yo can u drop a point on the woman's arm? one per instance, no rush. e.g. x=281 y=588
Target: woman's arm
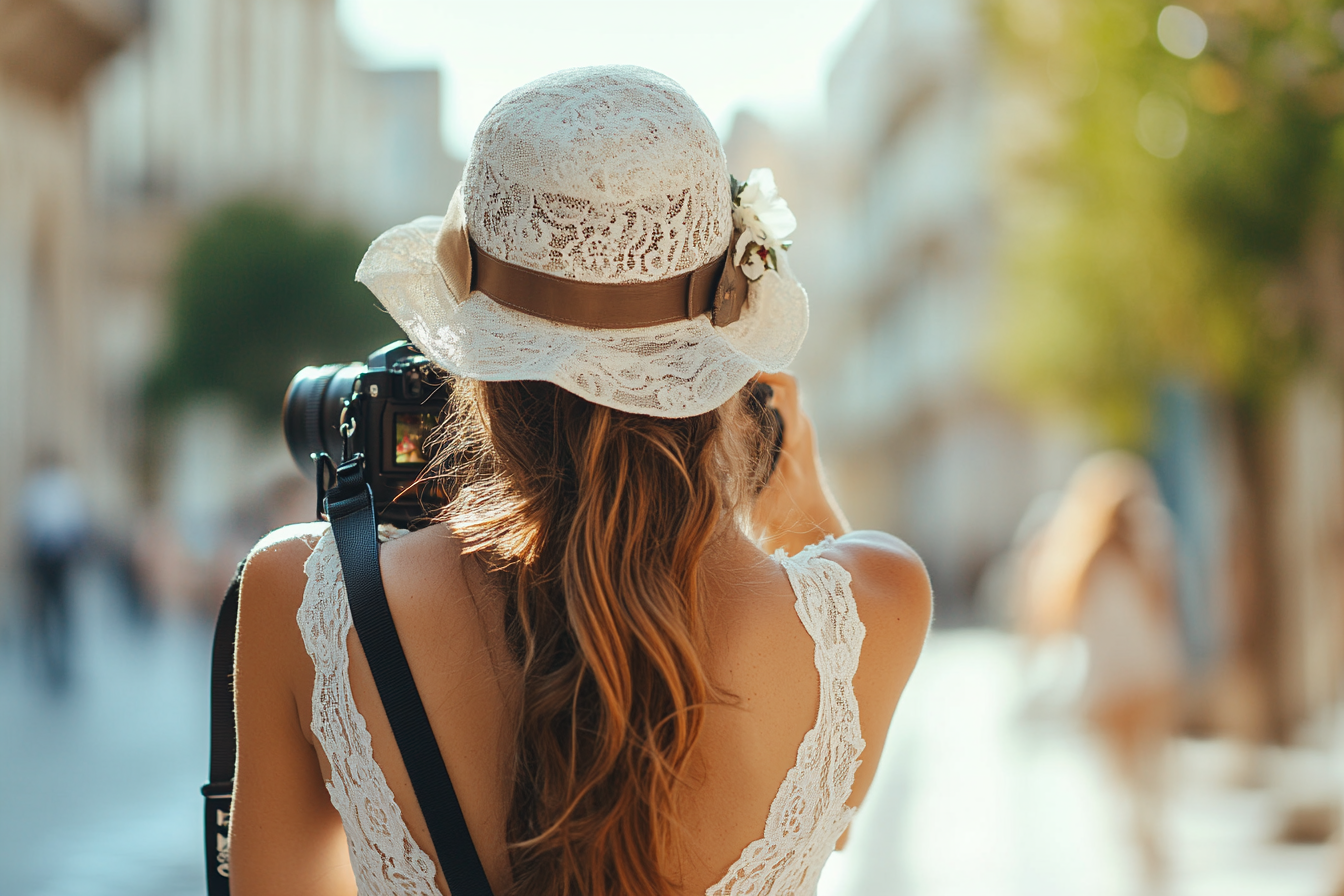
x=796 y=507
x=889 y=583
x=285 y=837
x=895 y=602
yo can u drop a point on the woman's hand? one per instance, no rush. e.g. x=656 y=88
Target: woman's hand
x=796 y=508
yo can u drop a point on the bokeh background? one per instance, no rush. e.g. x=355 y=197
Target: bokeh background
x=1031 y=231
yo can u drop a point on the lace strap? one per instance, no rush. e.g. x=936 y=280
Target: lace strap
x=386 y=859
x=825 y=605
x=811 y=810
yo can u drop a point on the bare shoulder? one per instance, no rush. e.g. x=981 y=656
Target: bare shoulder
x=890 y=586
x=891 y=591
x=430 y=553
x=274 y=580
x=425 y=578
x=289 y=542
x=278 y=558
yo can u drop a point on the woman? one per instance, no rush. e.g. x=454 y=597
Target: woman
x=630 y=695
x=1103 y=568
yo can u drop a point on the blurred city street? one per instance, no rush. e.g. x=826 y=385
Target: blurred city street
x=975 y=796
x=100 y=783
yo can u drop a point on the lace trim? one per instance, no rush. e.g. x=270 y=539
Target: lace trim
x=806 y=817
x=386 y=860
x=810 y=812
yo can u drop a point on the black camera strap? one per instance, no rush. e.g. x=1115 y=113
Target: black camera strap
x=349 y=505
x=223 y=745
x=350 y=509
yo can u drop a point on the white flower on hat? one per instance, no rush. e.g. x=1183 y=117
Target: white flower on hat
x=764 y=220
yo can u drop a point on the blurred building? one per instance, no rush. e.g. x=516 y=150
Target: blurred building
x=221 y=98
x=895 y=247
x=207 y=101
x=50 y=329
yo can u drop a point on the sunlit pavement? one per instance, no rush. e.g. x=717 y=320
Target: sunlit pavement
x=99 y=787
x=972 y=799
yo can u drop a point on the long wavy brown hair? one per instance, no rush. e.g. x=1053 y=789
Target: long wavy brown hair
x=596 y=521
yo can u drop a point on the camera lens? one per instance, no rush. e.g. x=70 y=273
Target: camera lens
x=312 y=411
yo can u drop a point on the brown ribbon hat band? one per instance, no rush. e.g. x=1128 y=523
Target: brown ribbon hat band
x=718 y=288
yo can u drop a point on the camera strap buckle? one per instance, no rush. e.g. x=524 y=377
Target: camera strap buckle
x=349 y=490
x=349 y=423
x=326 y=479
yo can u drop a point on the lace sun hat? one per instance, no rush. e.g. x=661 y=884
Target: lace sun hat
x=597 y=242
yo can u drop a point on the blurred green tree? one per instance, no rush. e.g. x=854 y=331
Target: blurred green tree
x=1172 y=182
x=260 y=291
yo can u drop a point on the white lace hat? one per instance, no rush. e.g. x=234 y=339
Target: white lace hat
x=588 y=194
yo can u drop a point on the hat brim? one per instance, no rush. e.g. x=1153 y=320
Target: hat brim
x=677 y=369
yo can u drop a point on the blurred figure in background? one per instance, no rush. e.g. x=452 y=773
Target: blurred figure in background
x=55 y=527
x=1103 y=568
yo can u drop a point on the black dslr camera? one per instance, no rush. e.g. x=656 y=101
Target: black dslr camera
x=386 y=410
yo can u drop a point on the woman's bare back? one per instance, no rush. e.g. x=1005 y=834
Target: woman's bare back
x=450 y=621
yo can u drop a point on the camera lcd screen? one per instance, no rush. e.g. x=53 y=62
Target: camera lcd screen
x=411 y=430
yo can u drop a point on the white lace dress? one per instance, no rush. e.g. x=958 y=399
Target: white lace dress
x=806 y=817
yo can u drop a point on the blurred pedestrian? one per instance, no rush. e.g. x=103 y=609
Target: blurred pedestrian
x=117 y=554
x=1103 y=569
x=55 y=528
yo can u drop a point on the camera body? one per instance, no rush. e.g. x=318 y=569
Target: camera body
x=388 y=407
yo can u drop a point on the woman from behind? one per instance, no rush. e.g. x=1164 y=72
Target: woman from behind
x=630 y=694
